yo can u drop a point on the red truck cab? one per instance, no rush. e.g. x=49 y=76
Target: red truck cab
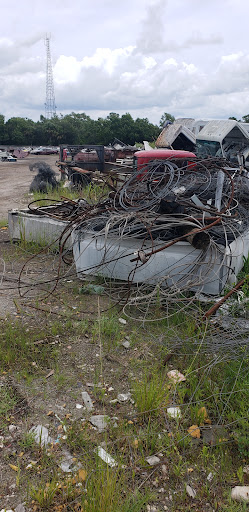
x=142 y=158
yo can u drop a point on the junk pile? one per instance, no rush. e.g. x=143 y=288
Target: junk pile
x=171 y=232
x=176 y=229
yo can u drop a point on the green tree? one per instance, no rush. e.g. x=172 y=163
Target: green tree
x=245 y=119
x=2 y=129
x=127 y=129
x=19 y=131
x=144 y=130
x=76 y=128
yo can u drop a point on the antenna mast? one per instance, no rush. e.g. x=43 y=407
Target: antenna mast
x=50 y=107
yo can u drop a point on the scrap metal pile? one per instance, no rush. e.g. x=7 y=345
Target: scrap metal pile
x=169 y=230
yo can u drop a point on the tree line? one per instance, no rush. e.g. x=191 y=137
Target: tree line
x=76 y=129
x=81 y=129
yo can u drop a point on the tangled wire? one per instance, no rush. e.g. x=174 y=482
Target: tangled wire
x=169 y=234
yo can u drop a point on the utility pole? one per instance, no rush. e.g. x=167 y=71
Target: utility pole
x=50 y=107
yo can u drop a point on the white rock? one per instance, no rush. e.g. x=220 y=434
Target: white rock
x=164 y=469
x=41 y=435
x=210 y=477
x=100 y=421
x=126 y=344
x=79 y=406
x=246 y=470
x=124 y=397
x=67 y=462
x=122 y=321
x=12 y=428
x=20 y=508
x=153 y=460
x=191 y=492
x=6 y=510
x=106 y=457
x=240 y=493
x=174 y=412
x=87 y=400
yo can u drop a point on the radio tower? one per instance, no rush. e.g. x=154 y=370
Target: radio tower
x=50 y=107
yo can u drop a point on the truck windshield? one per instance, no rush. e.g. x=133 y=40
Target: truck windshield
x=208 y=148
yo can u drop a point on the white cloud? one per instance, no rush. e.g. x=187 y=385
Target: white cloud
x=146 y=58
x=153 y=34
x=231 y=58
x=122 y=80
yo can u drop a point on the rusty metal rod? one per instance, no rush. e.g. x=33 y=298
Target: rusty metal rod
x=216 y=306
x=193 y=232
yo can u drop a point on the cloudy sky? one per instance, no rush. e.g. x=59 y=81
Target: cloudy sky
x=186 y=57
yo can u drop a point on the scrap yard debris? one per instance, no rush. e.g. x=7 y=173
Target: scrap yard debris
x=175 y=229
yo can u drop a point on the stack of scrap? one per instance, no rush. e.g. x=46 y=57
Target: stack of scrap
x=172 y=229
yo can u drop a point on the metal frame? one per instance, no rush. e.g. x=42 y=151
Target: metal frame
x=91 y=166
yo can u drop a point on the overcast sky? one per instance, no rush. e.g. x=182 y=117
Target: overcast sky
x=186 y=57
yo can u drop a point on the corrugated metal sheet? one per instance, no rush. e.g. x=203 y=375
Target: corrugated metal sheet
x=170 y=133
x=218 y=130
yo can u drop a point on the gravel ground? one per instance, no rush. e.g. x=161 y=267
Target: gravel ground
x=15 y=179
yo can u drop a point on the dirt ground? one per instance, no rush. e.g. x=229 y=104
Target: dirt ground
x=53 y=395
x=15 y=179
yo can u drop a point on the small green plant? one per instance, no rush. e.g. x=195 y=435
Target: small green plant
x=79 y=438
x=150 y=393
x=28 y=441
x=205 y=454
x=92 y=193
x=108 y=328
x=44 y=495
x=28 y=244
x=19 y=350
x=150 y=439
x=179 y=468
x=7 y=401
x=61 y=379
x=55 y=195
x=108 y=491
x=240 y=474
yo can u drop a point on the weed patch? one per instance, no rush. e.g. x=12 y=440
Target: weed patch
x=150 y=393
x=108 y=329
x=104 y=490
x=7 y=401
x=21 y=350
